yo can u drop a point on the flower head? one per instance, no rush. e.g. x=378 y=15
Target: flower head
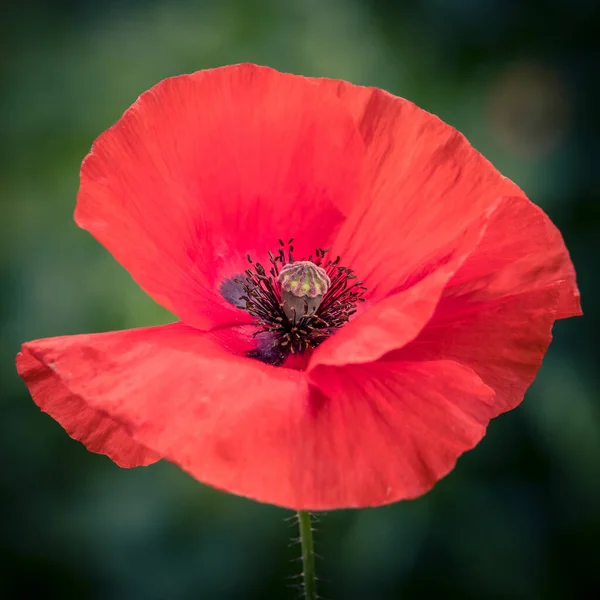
x=304 y=377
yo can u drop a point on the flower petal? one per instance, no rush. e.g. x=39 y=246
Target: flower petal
x=387 y=431
x=371 y=434
x=230 y=421
x=208 y=167
x=422 y=185
x=497 y=312
x=503 y=341
x=396 y=320
x=94 y=428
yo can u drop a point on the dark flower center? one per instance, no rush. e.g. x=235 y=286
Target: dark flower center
x=297 y=304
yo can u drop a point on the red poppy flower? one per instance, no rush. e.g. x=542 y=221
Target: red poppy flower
x=354 y=376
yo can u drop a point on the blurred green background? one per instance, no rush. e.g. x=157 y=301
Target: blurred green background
x=520 y=515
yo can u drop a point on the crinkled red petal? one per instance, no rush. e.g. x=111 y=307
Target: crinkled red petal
x=226 y=419
x=206 y=168
x=361 y=435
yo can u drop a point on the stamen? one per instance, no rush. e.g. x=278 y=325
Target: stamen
x=297 y=305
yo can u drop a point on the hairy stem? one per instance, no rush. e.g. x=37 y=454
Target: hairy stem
x=308 y=555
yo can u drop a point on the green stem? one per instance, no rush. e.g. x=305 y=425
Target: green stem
x=308 y=555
